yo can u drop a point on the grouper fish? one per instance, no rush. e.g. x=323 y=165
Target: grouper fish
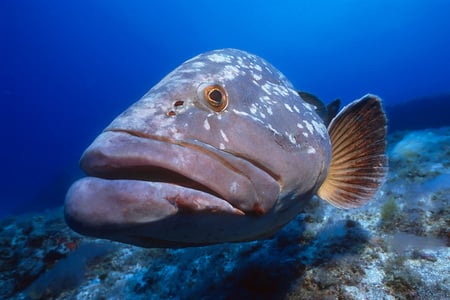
x=224 y=149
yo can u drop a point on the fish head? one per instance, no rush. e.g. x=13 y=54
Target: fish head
x=223 y=141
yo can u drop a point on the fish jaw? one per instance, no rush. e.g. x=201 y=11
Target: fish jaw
x=140 y=181
x=114 y=209
x=176 y=216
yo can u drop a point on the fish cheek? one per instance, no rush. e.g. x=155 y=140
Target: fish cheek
x=285 y=143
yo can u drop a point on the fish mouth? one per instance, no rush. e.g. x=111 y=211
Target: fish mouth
x=136 y=178
x=114 y=170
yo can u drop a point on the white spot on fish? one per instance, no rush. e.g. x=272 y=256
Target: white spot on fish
x=299 y=125
x=219 y=58
x=243 y=113
x=198 y=64
x=305 y=134
x=269 y=110
x=256 y=76
x=320 y=128
x=230 y=72
x=273 y=129
x=291 y=138
x=288 y=107
x=266 y=89
x=308 y=106
x=224 y=136
x=193 y=70
x=296 y=109
x=311 y=150
x=253 y=108
x=221 y=146
x=240 y=62
x=264 y=99
x=234 y=187
x=309 y=127
x=206 y=124
x=281 y=90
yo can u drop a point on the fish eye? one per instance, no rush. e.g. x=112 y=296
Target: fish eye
x=216 y=97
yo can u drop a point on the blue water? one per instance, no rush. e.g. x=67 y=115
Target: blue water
x=69 y=67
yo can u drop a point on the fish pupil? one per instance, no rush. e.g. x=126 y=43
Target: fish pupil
x=216 y=96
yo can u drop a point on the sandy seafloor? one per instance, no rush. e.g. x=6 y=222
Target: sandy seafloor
x=396 y=247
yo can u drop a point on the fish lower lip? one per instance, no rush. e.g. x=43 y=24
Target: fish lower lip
x=94 y=204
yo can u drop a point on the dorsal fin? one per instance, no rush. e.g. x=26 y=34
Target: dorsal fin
x=358 y=161
x=326 y=113
x=332 y=109
x=320 y=107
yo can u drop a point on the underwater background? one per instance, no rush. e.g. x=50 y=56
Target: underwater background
x=69 y=67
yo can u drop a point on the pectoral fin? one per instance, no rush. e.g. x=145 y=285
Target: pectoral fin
x=358 y=162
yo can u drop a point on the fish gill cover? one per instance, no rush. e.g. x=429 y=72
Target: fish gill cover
x=69 y=68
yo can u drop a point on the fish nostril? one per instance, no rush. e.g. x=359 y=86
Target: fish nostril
x=178 y=103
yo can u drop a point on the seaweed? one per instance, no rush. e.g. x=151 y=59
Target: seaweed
x=390 y=214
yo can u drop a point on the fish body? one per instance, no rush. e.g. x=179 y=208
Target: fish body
x=223 y=149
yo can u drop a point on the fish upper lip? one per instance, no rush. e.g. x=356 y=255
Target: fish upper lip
x=197 y=144
x=130 y=155
x=149 y=172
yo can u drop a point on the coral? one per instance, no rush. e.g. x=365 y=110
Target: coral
x=30 y=244
x=67 y=273
x=400 y=279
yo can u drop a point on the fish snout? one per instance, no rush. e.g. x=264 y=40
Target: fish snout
x=192 y=165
